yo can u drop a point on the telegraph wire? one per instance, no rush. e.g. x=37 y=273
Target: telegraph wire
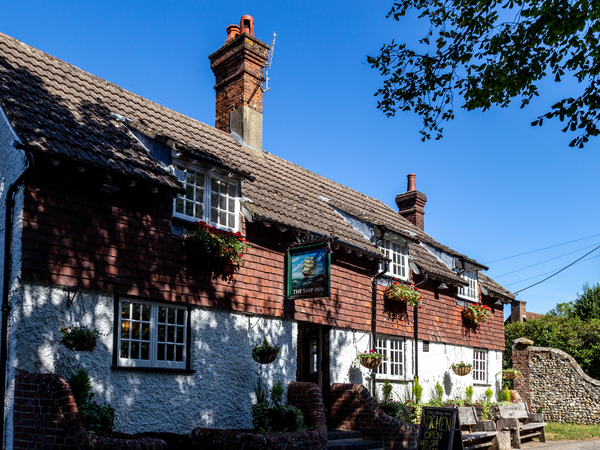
x=548 y=260
x=545 y=273
x=556 y=273
x=539 y=250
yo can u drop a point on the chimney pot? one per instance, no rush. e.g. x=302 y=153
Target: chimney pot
x=247 y=25
x=233 y=31
x=412 y=185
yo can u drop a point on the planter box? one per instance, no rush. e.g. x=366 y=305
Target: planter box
x=282 y=421
x=509 y=375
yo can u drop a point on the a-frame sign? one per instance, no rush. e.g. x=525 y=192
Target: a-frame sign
x=440 y=429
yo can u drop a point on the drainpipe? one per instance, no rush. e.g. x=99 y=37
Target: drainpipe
x=416 y=320
x=8 y=231
x=374 y=312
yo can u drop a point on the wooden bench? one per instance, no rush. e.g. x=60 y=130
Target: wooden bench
x=476 y=433
x=521 y=424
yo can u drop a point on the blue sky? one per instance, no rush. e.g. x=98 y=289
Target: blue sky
x=496 y=186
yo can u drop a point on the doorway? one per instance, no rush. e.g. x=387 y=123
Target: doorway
x=313 y=358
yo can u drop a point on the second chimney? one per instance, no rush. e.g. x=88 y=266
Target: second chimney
x=238 y=67
x=411 y=204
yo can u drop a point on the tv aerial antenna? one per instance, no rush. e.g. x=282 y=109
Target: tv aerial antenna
x=268 y=65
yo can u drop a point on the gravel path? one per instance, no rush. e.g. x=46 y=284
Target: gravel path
x=564 y=445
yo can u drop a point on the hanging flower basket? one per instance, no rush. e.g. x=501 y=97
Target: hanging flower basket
x=370 y=359
x=79 y=338
x=477 y=314
x=404 y=293
x=370 y=363
x=218 y=250
x=265 y=353
x=468 y=315
x=461 y=369
x=511 y=374
x=265 y=358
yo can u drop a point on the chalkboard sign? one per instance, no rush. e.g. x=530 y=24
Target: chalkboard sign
x=438 y=427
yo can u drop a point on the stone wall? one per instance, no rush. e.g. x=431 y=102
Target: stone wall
x=553 y=380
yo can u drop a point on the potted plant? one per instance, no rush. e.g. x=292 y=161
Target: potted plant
x=404 y=293
x=79 y=338
x=477 y=314
x=370 y=359
x=511 y=374
x=265 y=353
x=219 y=245
x=462 y=368
x=274 y=416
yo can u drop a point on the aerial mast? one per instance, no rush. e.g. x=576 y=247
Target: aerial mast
x=268 y=65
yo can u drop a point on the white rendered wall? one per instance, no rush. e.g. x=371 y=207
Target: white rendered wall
x=218 y=395
x=12 y=164
x=434 y=366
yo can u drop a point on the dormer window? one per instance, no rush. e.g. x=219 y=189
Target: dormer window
x=470 y=292
x=398 y=254
x=208 y=197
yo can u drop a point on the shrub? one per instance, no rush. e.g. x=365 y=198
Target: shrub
x=277 y=393
x=417 y=391
x=439 y=391
x=578 y=338
x=98 y=418
x=488 y=394
x=469 y=395
x=386 y=391
x=81 y=386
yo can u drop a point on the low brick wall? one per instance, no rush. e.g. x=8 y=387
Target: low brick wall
x=306 y=396
x=353 y=408
x=46 y=417
x=552 y=380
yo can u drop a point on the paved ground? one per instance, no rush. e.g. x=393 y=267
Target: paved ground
x=589 y=444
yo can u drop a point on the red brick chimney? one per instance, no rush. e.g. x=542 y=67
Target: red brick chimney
x=238 y=67
x=411 y=204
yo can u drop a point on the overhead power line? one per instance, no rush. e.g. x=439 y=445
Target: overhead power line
x=548 y=260
x=546 y=273
x=556 y=273
x=540 y=249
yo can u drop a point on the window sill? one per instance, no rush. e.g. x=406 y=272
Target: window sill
x=154 y=369
x=386 y=279
x=465 y=302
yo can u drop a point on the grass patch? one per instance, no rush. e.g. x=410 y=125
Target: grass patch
x=557 y=431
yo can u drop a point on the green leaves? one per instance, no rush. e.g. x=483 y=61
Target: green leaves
x=489 y=53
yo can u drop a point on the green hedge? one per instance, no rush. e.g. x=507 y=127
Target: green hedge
x=578 y=338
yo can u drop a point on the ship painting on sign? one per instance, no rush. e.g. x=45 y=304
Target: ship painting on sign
x=309 y=273
x=309 y=266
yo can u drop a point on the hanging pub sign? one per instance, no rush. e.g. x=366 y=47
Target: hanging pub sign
x=308 y=271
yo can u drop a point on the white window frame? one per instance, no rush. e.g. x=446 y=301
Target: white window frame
x=470 y=292
x=480 y=366
x=397 y=252
x=153 y=342
x=181 y=171
x=394 y=349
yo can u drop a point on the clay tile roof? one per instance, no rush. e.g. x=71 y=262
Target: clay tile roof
x=495 y=289
x=61 y=110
